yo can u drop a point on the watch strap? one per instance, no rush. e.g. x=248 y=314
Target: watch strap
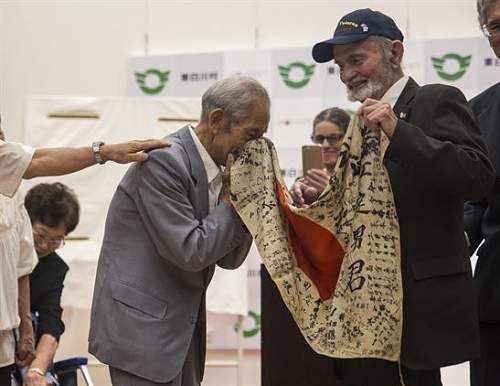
x=96 y=150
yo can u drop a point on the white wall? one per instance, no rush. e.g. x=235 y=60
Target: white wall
x=77 y=47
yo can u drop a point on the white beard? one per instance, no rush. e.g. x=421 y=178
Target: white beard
x=369 y=90
x=374 y=88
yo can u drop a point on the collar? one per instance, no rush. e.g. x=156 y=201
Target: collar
x=210 y=166
x=392 y=95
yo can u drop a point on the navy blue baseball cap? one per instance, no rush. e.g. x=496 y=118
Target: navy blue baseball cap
x=354 y=27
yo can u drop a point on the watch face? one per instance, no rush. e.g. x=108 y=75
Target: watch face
x=96 y=149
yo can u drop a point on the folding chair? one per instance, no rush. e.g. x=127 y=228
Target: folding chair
x=66 y=371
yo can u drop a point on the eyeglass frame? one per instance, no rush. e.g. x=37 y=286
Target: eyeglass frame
x=48 y=241
x=491 y=29
x=331 y=138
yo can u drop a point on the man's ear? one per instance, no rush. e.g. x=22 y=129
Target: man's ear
x=216 y=119
x=397 y=50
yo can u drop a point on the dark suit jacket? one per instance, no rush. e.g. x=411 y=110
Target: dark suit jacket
x=158 y=256
x=482 y=217
x=46 y=285
x=436 y=160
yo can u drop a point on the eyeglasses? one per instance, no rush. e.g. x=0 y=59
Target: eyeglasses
x=49 y=242
x=491 y=29
x=331 y=138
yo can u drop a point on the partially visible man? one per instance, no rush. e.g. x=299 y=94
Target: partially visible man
x=482 y=217
x=18 y=161
x=435 y=160
x=17 y=261
x=170 y=222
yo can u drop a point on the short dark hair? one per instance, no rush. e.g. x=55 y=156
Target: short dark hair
x=52 y=205
x=333 y=115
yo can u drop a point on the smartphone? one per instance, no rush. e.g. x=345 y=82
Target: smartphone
x=311 y=158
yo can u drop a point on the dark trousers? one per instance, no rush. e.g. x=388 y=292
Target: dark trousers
x=485 y=371
x=378 y=372
x=5 y=375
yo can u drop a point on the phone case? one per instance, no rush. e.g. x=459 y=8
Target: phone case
x=311 y=158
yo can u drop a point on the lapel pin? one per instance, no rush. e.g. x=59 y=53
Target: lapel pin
x=402 y=115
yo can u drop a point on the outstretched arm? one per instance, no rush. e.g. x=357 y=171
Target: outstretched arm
x=59 y=161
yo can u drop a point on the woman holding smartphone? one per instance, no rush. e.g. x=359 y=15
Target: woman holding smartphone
x=329 y=128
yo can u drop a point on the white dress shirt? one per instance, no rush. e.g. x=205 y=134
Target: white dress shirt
x=214 y=172
x=391 y=96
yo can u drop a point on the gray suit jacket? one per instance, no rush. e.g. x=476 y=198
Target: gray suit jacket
x=158 y=256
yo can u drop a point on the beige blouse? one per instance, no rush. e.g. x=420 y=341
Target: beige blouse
x=14 y=160
x=17 y=258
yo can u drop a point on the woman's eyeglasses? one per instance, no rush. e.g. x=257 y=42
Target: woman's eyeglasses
x=331 y=138
x=49 y=242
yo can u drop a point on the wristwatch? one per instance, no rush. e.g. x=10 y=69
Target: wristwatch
x=96 y=150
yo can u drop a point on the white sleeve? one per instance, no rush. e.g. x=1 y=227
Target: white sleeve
x=27 y=254
x=14 y=160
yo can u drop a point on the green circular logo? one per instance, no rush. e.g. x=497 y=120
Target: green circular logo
x=439 y=64
x=302 y=71
x=254 y=330
x=152 y=81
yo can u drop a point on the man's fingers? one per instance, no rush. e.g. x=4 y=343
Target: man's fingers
x=377 y=116
x=370 y=101
x=131 y=151
x=136 y=157
x=318 y=175
x=296 y=193
x=147 y=144
x=227 y=170
x=25 y=360
x=384 y=119
x=371 y=105
x=367 y=105
x=317 y=185
x=310 y=195
x=229 y=161
x=318 y=172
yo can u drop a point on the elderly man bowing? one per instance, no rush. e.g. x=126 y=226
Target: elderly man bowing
x=169 y=223
x=435 y=160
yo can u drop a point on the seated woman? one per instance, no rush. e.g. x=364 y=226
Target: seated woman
x=54 y=213
x=329 y=128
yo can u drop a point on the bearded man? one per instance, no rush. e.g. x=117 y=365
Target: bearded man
x=436 y=160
